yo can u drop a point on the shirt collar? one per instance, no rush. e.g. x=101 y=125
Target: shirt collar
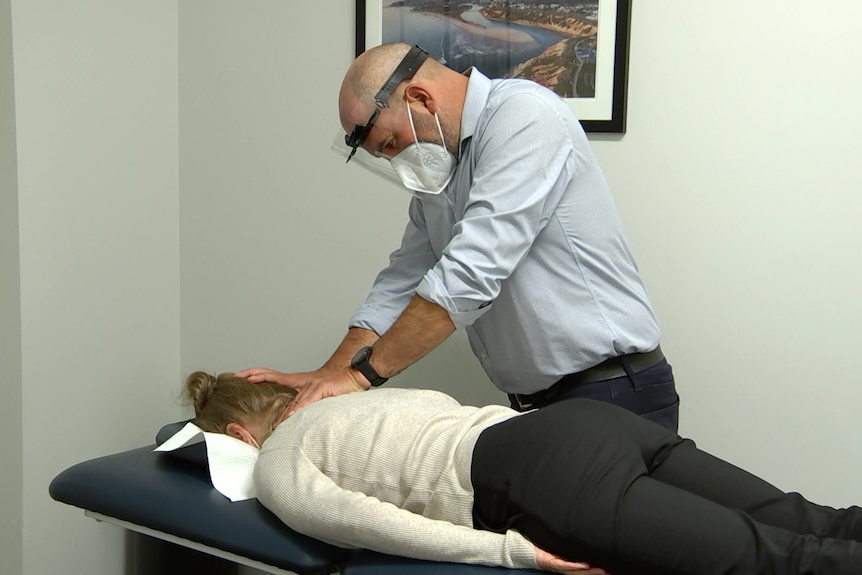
x=478 y=89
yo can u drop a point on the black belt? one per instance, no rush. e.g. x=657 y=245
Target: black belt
x=611 y=368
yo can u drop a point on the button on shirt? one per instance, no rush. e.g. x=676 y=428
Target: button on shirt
x=524 y=249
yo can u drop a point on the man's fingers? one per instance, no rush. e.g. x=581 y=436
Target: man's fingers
x=253 y=372
x=308 y=395
x=301 y=400
x=261 y=374
x=336 y=384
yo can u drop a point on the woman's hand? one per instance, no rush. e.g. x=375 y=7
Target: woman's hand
x=549 y=562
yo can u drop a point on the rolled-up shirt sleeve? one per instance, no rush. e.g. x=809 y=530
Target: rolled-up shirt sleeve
x=525 y=247
x=512 y=180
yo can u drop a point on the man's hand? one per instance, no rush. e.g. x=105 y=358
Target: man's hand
x=331 y=384
x=292 y=380
x=311 y=386
x=549 y=562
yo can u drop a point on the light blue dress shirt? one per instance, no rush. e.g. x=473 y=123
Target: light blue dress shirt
x=524 y=249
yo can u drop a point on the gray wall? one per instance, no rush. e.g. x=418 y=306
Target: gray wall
x=97 y=131
x=179 y=208
x=737 y=185
x=11 y=447
x=280 y=241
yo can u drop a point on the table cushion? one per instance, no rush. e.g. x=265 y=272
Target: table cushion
x=175 y=496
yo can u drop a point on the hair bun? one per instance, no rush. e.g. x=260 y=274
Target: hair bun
x=199 y=388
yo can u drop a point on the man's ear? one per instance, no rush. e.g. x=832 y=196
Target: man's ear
x=237 y=431
x=417 y=93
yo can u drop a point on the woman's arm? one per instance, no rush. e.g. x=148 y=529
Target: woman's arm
x=309 y=502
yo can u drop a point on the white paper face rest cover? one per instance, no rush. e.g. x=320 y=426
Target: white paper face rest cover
x=231 y=461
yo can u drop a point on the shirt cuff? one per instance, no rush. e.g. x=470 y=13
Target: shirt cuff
x=463 y=311
x=367 y=317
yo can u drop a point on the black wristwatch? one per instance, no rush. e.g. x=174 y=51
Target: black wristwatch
x=361 y=363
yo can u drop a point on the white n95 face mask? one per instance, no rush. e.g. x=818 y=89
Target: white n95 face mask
x=423 y=166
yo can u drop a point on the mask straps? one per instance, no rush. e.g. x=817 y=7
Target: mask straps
x=413 y=127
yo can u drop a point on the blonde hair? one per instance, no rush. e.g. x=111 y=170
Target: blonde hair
x=226 y=398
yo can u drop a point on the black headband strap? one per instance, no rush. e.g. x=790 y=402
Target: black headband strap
x=405 y=70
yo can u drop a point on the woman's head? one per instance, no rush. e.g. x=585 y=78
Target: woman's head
x=234 y=406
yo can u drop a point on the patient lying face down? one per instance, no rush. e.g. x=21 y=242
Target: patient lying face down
x=414 y=473
x=231 y=405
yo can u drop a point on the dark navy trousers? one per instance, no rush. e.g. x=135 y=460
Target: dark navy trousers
x=650 y=393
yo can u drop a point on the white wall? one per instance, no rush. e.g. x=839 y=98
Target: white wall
x=280 y=240
x=734 y=181
x=11 y=476
x=96 y=111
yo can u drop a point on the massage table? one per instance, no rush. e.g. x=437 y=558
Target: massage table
x=169 y=496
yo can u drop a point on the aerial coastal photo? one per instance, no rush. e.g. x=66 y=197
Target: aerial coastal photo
x=553 y=43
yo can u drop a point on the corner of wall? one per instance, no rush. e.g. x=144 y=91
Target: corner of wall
x=11 y=445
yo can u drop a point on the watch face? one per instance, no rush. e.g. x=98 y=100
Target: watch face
x=361 y=355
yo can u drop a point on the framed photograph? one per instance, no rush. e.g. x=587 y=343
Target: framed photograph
x=577 y=48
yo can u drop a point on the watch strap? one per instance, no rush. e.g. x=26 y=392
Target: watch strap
x=361 y=363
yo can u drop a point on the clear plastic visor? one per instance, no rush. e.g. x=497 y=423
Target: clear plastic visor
x=377 y=166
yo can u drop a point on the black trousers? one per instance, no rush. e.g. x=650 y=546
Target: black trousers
x=592 y=482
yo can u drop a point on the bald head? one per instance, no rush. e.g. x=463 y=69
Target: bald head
x=370 y=71
x=433 y=88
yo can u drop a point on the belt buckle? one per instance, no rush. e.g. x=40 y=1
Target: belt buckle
x=523 y=405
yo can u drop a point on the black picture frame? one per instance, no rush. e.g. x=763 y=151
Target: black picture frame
x=606 y=111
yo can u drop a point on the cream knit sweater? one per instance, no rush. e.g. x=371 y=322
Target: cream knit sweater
x=387 y=470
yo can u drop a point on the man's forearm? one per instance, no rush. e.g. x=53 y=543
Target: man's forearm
x=355 y=339
x=422 y=326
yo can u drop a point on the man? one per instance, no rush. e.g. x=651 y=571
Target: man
x=512 y=235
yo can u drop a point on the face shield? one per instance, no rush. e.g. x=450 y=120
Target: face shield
x=352 y=145
x=379 y=166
